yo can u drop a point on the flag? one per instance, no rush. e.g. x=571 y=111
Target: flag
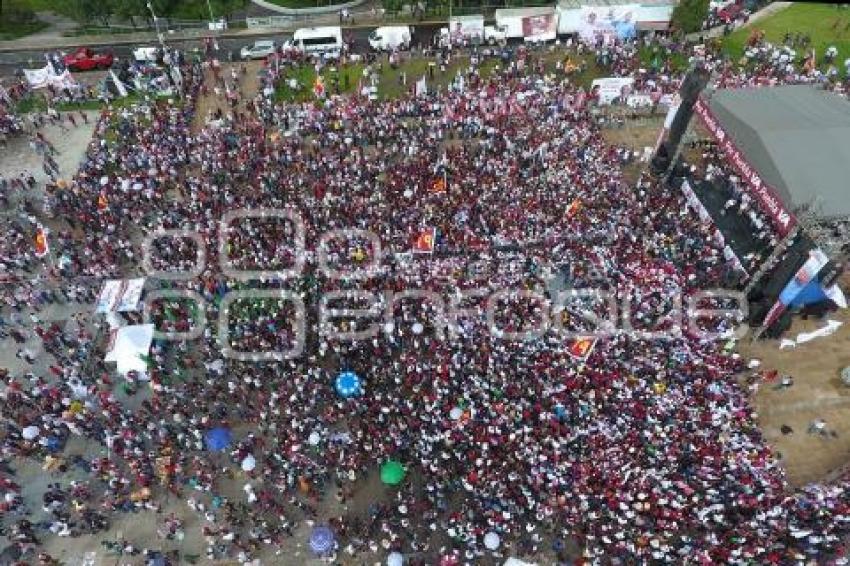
x=581 y=348
x=102 y=203
x=440 y=184
x=319 y=86
x=574 y=207
x=424 y=243
x=421 y=87
x=119 y=86
x=42 y=248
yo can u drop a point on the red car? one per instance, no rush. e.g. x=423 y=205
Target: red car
x=85 y=59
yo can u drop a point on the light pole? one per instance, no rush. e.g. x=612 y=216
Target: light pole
x=156 y=25
x=209 y=7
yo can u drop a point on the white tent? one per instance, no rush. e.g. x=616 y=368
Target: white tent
x=128 y=344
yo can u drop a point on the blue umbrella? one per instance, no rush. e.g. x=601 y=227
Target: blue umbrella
x=218 y=438
x=348 y=384
x=321 y=540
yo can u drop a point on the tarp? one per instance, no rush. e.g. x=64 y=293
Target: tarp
x=129 y=347
x=120 y=295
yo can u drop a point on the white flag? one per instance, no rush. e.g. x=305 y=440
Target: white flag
x=421 y=87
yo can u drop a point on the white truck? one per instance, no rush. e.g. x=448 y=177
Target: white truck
x=389 y=38
x=471 y=29
x=533 y=25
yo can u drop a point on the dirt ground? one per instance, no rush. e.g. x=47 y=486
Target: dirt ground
x=817 y=393
x=637 y=136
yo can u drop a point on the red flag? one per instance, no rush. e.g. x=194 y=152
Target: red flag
x=574 y=207
x=319 y=86
x=581 y=348
x=42 y=247
x=440 y=184
x=424 y=242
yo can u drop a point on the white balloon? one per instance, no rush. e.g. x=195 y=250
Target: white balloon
x=249 y=463
x=314 y=438
x=418 y=328
x=408 y=193
x=395 y=559
x=455 y=413
x=492 y=541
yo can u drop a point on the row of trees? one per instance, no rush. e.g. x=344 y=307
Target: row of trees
x=136 y=12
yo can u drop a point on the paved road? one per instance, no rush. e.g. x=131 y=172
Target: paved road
x=9 y=62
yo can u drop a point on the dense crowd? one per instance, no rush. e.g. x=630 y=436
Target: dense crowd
x=641 y=448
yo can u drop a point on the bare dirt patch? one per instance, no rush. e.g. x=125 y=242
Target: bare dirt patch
x=817 y=393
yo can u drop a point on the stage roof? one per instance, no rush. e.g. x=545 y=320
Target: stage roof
x=797 y=138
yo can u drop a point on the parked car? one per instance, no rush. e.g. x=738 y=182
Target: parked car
x=86 y=59
x=261 y=49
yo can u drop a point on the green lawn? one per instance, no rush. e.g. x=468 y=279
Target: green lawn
x=10 y=30
x=826 y=24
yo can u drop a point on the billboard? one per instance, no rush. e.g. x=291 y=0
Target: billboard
x=542 y=27
x=607 y=22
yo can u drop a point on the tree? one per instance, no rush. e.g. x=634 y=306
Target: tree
x=689 y=15
x=87 y=11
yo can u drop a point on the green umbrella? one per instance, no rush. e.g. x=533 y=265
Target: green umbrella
x=392 y=472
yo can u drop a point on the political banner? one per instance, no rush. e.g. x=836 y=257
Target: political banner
x=609 y=89
x=607 y=22
x=542 y=27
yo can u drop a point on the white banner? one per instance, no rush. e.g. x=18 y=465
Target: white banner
x=607 y=22
x=609 y=88
x=39 y=78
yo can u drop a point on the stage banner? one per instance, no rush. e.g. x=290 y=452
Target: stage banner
x=809 y=270
x=771 y=204
x=608 y=22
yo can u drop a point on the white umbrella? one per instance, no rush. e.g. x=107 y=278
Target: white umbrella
x=491 y=541
x=455 y=413
x=314 y=438
x=249 y=463
x=395 y=559
x=418 y=328
x=30 y=433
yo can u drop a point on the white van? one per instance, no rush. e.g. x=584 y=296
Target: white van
x=387 y=38
x=325 y=41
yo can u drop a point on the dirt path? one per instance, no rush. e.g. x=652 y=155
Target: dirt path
x=249 y=85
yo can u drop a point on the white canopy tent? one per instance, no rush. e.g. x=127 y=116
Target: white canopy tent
x=127 y=346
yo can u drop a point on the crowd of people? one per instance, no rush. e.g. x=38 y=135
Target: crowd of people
x=635 y=446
